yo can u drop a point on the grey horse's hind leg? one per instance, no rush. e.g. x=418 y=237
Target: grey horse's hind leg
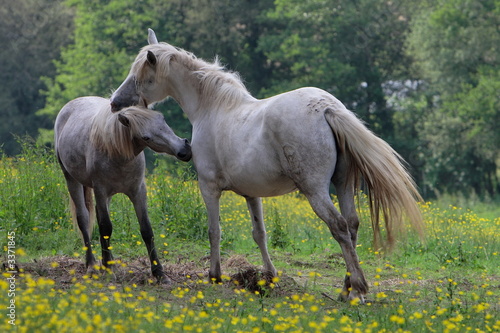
x=324 y=208
x=76 y=191
x=345 y=195
x=82 y=214
x=140 y=205
x=259 y=232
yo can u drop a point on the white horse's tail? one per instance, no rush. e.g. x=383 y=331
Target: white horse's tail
x=89 y=204
x=391 y=189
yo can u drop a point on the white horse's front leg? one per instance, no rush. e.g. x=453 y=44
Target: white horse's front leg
x=259 y=232
x=211 y=198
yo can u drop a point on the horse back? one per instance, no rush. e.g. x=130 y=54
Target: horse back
x=76 y=115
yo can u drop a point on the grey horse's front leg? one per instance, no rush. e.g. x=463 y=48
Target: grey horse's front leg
x=259 y=232
x=105 y=226
x=140 y=205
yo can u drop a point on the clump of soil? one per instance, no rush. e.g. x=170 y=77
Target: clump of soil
x=254 y=280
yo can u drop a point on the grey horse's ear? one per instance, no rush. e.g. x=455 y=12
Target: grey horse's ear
x=124 y=120
x=151 y=58
x=152 y=37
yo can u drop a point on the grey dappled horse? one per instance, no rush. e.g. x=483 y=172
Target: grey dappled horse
x=103 y=151
x=303 y=139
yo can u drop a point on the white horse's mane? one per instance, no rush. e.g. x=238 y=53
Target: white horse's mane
x=218 y=87
x=112 y=137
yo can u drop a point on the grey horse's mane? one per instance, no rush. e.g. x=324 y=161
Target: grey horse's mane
x=219 y=88
x=112 y=137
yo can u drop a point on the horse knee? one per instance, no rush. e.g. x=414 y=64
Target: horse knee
x=353 y=223
x=259 y=235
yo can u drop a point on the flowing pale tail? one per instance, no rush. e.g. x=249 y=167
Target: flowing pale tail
x=89 y=204
x=391 y=189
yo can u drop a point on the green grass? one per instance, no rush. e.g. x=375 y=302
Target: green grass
x=449 y=283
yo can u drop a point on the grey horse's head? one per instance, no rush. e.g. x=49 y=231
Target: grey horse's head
x=149 y=129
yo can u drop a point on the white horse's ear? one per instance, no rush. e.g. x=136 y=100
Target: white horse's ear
x=152 y=37
x=151 y=58
x=124 y=120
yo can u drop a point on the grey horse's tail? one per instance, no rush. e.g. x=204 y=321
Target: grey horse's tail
x=89 y=203
x=392 y=192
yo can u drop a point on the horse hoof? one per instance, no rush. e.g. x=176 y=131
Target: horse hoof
x=343 y=296
x=214 y=279
x=357 y=299
x=163 y=280
x=93 y=269
x=351 y=297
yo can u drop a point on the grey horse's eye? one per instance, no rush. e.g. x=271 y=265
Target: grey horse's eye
x=146 y=138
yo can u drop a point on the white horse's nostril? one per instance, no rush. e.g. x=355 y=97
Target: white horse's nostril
x=114 y=107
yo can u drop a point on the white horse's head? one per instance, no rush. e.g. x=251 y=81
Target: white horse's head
x=138 y=87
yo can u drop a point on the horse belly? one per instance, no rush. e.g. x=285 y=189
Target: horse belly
x=258 y=179
x=249 y=183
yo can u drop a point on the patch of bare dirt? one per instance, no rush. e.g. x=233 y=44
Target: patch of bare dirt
x=66 y=271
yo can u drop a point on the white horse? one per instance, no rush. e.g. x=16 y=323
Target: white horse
x=103 y=151
x=303 y=139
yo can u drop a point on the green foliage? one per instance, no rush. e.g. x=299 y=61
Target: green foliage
x=453 y=39
x=30 y=188
x=34 y=199
x=278 y=235
x=180 y=210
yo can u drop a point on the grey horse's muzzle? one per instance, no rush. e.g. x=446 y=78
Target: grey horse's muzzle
x=185 y=153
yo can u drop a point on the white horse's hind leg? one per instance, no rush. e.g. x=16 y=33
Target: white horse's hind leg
x=345 y=195
x=324 y=208
x=259 y=232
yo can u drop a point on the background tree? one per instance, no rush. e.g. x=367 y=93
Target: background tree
x=31 y=34
x=455 y=44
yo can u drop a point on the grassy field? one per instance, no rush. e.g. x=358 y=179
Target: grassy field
x=449 y=283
